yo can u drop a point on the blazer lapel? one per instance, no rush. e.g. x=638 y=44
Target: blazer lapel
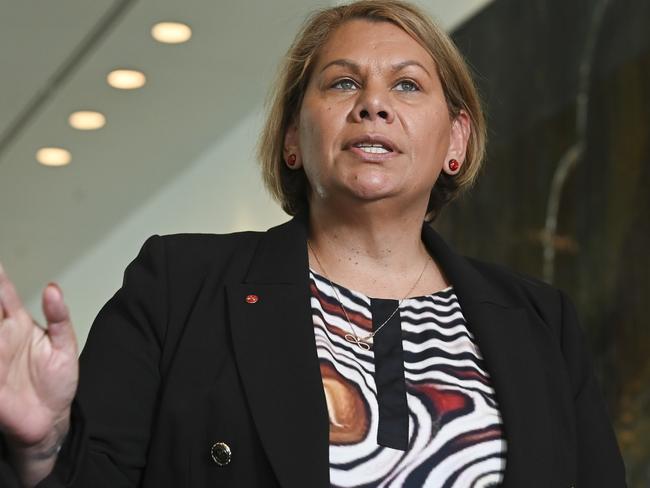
x=507 y=339
x=275 y=350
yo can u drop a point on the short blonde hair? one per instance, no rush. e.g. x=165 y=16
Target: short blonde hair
x=290 y=187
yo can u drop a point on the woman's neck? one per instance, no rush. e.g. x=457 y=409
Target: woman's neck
x=373 y=252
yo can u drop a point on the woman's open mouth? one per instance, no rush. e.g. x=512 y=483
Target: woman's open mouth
x=372 y=148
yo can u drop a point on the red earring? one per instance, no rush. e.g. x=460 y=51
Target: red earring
x=453 y=164
x=291 y=160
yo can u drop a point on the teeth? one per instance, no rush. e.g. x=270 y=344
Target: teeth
x=374 y=149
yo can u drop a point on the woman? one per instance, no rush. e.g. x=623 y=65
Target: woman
x=348 y=347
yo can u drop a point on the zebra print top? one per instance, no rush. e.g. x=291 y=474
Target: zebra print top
x=415 y=410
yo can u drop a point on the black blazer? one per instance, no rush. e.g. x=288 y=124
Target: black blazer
x=178 y=360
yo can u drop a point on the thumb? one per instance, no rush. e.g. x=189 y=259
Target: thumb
x=59 y=327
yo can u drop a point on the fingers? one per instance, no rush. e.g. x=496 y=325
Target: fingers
x=54 y=308
x=59 y=327
x=9 y=299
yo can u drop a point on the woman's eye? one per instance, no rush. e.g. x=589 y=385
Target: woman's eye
x=345 y=84
x=407 y=85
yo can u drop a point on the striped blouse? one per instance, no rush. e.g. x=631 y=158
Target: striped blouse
x=417 y=408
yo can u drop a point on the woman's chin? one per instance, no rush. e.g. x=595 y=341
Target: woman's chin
x=359 y=187
x=371 y=191
x=372 y=184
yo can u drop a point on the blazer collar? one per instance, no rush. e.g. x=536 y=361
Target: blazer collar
x=281 y=257
x=276 y=353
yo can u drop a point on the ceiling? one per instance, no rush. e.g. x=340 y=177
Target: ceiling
x=54 y=57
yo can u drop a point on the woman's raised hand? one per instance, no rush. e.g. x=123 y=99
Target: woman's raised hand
x=39 y=368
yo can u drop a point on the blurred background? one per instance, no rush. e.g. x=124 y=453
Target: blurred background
x=125 y=118
x=565 y=195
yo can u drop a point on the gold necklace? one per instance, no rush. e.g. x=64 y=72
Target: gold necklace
x=363 y=342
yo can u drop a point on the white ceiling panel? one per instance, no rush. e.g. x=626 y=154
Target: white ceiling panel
x=36 y=38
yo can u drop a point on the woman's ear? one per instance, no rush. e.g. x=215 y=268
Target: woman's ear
x=291 y=150
x=460 y=131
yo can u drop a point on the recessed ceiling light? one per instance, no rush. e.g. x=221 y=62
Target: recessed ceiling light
x=87 y=120
x=53 y=156
x=171 y=32
x=126 y=79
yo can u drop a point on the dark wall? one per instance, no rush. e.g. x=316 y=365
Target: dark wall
x=566 y=87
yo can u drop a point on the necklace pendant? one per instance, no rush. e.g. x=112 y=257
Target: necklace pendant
x=358 y=341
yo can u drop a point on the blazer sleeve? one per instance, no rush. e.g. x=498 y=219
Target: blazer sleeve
x=115 y=403
x=598 y=456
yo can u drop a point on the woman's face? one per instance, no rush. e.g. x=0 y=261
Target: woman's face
x=374 y=123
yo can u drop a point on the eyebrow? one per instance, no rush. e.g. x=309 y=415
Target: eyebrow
x=351 y=65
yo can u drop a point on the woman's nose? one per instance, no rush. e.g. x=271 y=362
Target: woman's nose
x=373 y=106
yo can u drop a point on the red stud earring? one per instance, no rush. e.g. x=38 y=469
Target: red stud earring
x=453 y=164
x=291 y=160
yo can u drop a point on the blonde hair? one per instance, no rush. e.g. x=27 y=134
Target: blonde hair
x=290 y=187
